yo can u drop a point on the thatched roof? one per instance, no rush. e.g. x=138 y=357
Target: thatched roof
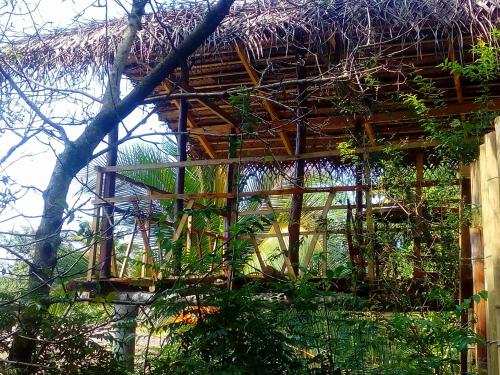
x=260 y=23
x=385 y=42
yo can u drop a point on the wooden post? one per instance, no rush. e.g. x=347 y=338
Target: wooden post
x=106 y=248
x=465 y=263
x=231 y=205
x=488 y=169
x=315 y=237
x=477 y=255
x=147 y=257
x=129 y=251
x=298 y=177
x=258 y=254
x=417 y=236
x=287 y=264
x=324 y=263
x=358 y=217
x=182 y=138
x=370 y=229
x=189 y=233
x=95 y=226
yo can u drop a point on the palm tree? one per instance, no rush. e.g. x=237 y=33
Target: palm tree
x=205 y=223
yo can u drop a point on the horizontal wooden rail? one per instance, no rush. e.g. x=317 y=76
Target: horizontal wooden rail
x=156 y=190
x=304 y=209
x=264 y=159
x=245 y=194
x=248 y=194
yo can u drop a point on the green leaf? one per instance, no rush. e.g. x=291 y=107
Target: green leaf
x=483 y=294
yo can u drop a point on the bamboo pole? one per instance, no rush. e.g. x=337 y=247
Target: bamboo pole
x=244 y=194
x=299 y=166
x=324 y=263
x=417 y=236
x=487 y=216
x=231 y=206
x=258 y=254
x=182 y=221
x=370 y=228
x=108 y=191
x=314 y=240
x=287 y=264
x=128 y=251
x=477 y=255
x=95 y=227
x=267 y=159
x=147 y=257
x=465 y=270
x=182 y=140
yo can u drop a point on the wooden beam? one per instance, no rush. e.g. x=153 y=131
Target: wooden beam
x=281 y=241
x=489 y=208
x=231 y=214
x=201 y=138
x=343 y=122
x=268 y=159
x=214 y=108
x=182 y=221
x=370 y=225
x=477 y=255
x=258 y=254
x=151 y=188
x=456 y=77
x=95 y=226
x=304 y=209
x=108 y=191
x=314 y=240
x=242 y=54
x=128 y=251
x=192 y=125
x=465 y=270
x=298 y=165
x=147 y=258
x=417 y=232
x=244 y=194
x=181 y=145
x=370 y=132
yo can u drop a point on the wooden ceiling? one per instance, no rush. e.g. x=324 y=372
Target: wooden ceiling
x=363 y=107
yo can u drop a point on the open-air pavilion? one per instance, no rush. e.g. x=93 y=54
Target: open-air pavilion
x=285 y=113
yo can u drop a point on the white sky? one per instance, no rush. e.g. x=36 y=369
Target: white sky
x=34 y=165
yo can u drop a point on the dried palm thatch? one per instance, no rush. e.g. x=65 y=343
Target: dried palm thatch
x=260 y=24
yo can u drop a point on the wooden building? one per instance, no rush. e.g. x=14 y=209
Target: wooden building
x=296 y=100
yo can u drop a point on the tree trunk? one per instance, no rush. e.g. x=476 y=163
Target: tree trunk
x=79 y=153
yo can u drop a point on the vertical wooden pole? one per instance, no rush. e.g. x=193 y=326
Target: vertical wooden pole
x=465 y=262
x=298 y=177
x=488 y=165
x=315 y=237
x=129 y=251
x=106 y=249
x=477 y=255
x=324 y=263
x=182 y=139
x=189 y=233
x=230 y=216
x=95 y=225
x=417 y=237
x=353 y=256
x=358 y=242
x=494 y=202
x=370 y=229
